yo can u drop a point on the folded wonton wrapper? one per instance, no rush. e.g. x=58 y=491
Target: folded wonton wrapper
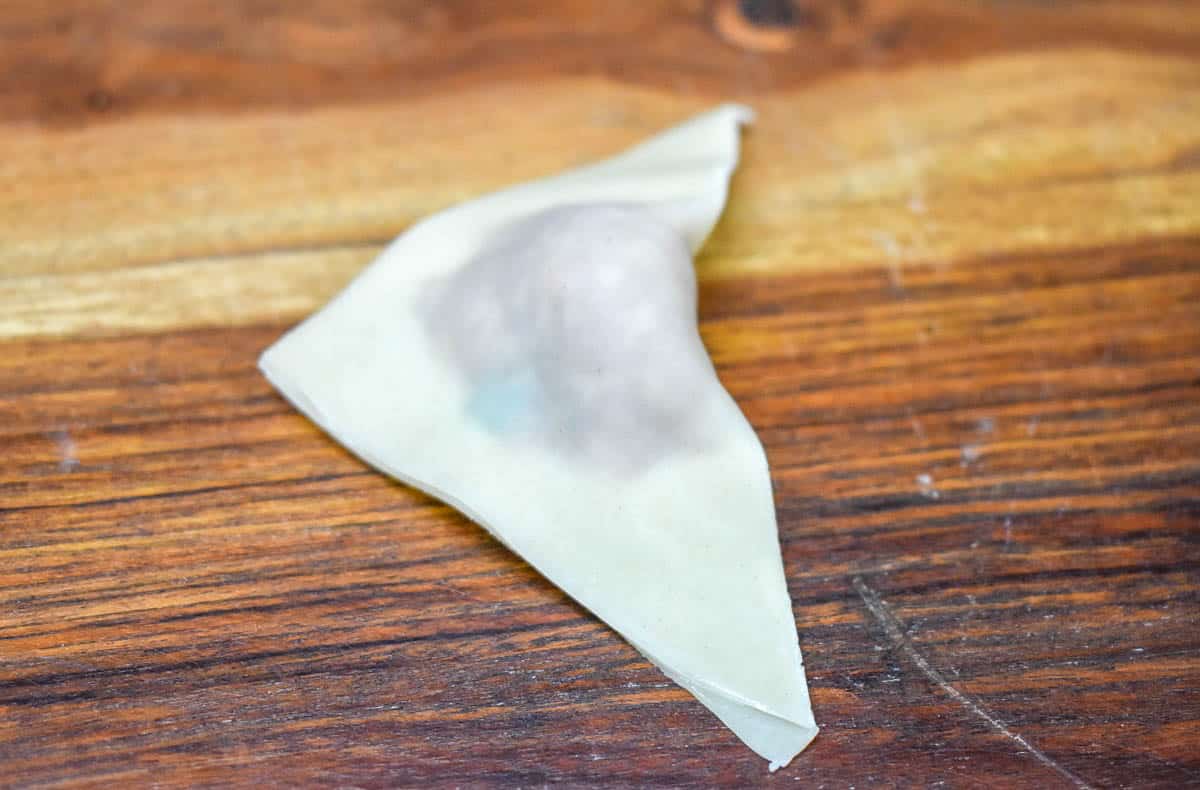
x=531 y=357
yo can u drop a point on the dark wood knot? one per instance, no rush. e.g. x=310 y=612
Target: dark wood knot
x=769 y=13
x=758 y=25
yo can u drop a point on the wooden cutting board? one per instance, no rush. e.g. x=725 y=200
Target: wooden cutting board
x=957 y=292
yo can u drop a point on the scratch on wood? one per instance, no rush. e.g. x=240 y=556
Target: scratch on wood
x=918 y=429
x=895 y=633
x=453 y=589
x=68 y=458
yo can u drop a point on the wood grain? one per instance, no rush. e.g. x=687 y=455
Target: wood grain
x=957 y=292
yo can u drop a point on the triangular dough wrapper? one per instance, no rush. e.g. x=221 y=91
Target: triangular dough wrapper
x=676 y=546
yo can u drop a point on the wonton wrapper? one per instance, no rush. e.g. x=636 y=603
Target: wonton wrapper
x=531 y=358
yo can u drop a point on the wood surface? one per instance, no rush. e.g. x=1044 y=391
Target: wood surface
x=957 y=292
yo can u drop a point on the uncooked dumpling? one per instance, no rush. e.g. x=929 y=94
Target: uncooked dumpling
x=532 y=358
